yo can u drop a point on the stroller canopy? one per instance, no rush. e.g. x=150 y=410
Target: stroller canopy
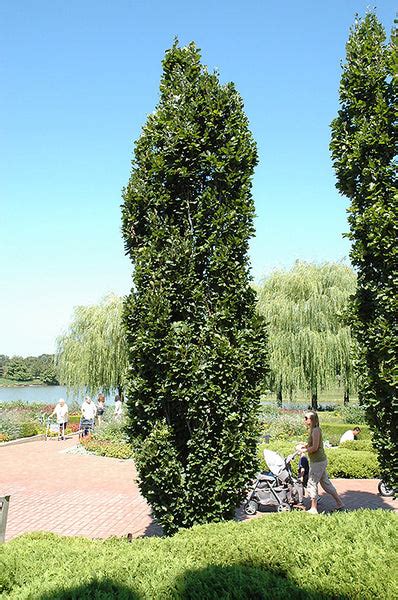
x=276 y=464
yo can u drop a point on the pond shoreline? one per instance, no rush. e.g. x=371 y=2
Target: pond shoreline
x=18 y=385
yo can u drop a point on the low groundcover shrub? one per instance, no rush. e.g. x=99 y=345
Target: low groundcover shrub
x=107 y=448
x=291 y=555
x=109 y=439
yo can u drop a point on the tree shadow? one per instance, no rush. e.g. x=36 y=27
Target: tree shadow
x=242 y=582
x=358 y=499
x=104 y=589
x=153 y=530
x=215 y=582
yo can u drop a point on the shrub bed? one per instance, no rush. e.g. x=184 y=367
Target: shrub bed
x=281 y=425
x=352 y=464
x=333 y=431
x=342 y=556
x=109 y=439
x=358 y=445
x=19 y=419
x=107 y=448
x=351 y=414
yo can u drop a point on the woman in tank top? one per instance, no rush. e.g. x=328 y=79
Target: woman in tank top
x=318 y=463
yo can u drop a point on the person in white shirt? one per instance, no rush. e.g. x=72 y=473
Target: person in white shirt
x=350 y=435
x=61 y=412
x=88 y=410
x=118 y=408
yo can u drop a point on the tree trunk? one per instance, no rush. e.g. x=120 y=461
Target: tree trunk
x=346 y=396
x=314 y=399
x=279 y=396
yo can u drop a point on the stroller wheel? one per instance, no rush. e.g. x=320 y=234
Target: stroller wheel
x=284 y=508
x=251 y=507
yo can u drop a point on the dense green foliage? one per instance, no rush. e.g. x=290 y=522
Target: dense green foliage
x=364 y=150
x=293 y=555
x=351 y=414
x=334 y=430
x=37 y=369
x=310 y=343
x=358 y=445
x=92 y=355
x=196 y=345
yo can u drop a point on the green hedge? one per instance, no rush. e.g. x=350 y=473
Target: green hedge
x=333 y=431
x=358 y=445
x=293 y=555
x=352 y=464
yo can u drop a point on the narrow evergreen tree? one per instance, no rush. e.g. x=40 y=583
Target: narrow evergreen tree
x=196 y=349
x=309 y=340
x=364 y=150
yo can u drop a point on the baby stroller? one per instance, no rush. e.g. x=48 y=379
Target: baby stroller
x=86 y=427
x=277 y=488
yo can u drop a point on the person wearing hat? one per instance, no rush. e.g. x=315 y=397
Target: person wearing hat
x=61 y=412
x=88 y=410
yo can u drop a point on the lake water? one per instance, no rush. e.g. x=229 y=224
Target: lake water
x=43 y=394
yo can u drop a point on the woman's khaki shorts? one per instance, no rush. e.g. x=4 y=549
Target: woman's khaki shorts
x=317 y=475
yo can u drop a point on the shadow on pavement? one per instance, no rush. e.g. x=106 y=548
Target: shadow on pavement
x=358 y=499
x=352 y=499
x=153 y=530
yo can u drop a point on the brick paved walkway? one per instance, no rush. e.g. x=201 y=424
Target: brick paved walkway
x=97 y=497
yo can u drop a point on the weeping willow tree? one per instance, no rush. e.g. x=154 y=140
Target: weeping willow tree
x=310 y=344
x=92 y=355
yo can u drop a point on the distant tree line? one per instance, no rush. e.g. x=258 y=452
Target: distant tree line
x=40 y=369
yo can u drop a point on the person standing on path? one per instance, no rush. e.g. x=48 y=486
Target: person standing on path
x=100 y=407
x=318 y=463
x=118 y=407
x=89 y=410
x=61 y=412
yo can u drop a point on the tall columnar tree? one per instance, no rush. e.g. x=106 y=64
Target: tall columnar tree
x=364 y=150
x=309 y=340
x=92 y=355
x=195 y=343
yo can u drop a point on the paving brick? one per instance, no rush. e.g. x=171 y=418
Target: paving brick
x=98 y=497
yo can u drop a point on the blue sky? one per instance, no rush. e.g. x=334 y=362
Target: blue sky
x=78 y=79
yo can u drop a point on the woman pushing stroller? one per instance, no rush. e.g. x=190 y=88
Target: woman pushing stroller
x=318 y=463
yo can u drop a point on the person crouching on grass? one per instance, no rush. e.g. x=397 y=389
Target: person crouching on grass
x=318 y=463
